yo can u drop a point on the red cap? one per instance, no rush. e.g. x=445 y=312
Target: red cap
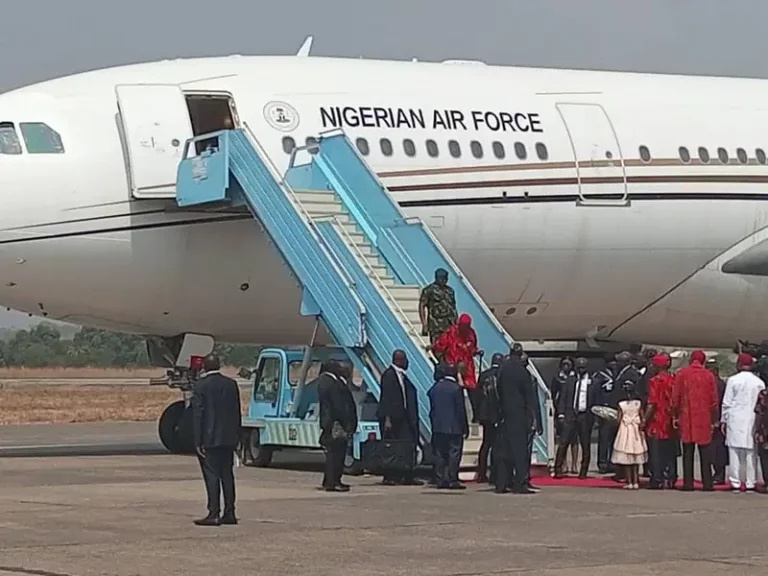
x=662 y=360
x=698 y=356
x=745 y=360
x=465 y=319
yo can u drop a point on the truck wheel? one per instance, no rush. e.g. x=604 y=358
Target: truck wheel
x=354 y=468
x=259 y=455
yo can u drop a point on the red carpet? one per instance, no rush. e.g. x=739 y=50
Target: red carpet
x=599 y=482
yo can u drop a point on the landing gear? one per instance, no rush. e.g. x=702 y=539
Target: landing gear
x=181 y=356
x=175 y=428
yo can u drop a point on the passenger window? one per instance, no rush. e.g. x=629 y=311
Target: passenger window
x=760 y=155
x=703 y=155
x=289 y=144
x=267 y=385
x=722 y=155
x=386 y=146
x=409 y=147
x=645 y=154
x=362 y=146
x=432 y=148
x=685 y=156
x=520 y=151
x=41 y=138
x=498 y=150
x=741 y=154
x=476 y=148
x=541 y=151
x=9 y=140
x=454 y=148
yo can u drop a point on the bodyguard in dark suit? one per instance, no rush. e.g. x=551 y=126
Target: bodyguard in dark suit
x=574 y=411
x=338 y=422
x=487 y=413
x=515 y=388
x=217 y=421
x=448 y=415
x=399 y=413
x=536 y=425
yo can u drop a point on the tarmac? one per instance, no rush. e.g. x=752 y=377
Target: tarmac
x=131 y=514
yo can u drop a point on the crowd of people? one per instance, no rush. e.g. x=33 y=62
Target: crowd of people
x=647 y=417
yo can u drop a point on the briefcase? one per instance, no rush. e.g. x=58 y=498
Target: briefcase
x=379 y=456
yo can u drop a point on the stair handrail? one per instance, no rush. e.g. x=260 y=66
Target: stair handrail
x=382 y=287
x=289 y=191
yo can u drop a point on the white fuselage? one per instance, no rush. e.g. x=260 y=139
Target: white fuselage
x=76 y=245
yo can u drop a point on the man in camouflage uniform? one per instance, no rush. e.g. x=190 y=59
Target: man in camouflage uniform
x=437 y=307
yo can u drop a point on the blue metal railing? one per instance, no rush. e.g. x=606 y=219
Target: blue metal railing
x=406 y=244
x=206 y=178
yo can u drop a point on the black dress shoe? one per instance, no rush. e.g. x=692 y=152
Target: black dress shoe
x=388 y=482
x=338 y=488
x=457 y=487
x=228 y=519
x=209 y=520
x=501 y=490
x=523 y=490
x=412 y=482
x=344 y=485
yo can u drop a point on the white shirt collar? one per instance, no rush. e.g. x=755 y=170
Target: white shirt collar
x=331 y=375
x=451 y=378
x=398 y=369
x=204 y=374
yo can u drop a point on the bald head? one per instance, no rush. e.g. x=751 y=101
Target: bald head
x=211 y=363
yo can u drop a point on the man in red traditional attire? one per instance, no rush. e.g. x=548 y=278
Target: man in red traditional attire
x=458 y=345
x=662 y=439
x=695 y=406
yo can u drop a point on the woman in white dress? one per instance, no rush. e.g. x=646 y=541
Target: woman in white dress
x=630 y=448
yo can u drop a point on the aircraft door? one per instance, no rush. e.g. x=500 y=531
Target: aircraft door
x=155 y=124
x=600 y=168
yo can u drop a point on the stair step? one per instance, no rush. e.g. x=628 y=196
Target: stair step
x=318 y=196
x=319 y=208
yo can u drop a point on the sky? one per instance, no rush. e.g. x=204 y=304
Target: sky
x=42 y=39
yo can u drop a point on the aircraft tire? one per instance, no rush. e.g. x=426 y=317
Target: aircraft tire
x=260 y=456
x=175 y=428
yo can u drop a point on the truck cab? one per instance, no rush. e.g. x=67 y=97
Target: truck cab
x=284 y=410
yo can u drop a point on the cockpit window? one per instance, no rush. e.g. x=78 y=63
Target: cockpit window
x=9 y=139
x=41 y=138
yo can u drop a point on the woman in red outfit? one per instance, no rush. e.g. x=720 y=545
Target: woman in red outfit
x=458 y=345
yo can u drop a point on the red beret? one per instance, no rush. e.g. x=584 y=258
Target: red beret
x=745 y=360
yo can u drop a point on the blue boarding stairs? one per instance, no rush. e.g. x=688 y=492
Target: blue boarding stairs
x=360 y=261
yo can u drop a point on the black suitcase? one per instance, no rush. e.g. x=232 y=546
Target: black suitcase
x=379 y=456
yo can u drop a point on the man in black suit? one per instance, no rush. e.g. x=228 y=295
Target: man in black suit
x=487 y=413
x=399 y=414
x=448 y=415
x=338 y=422
x=574 y=411
x=515 y=389
x=536 y=425
x=217 y=422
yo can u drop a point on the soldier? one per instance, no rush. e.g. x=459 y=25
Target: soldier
x=437 y=307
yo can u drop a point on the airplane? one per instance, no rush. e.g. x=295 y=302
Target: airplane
x=582 y=205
